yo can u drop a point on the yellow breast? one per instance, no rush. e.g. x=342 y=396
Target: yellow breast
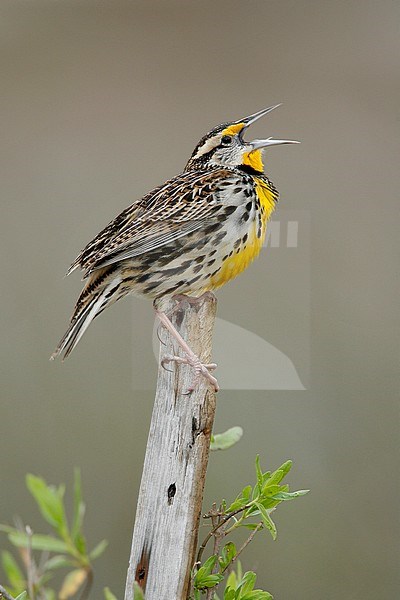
x=247 y=251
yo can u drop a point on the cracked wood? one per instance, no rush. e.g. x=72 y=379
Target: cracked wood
x=171 y=491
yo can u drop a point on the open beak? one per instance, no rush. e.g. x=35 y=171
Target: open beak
x=258 y=144
x=253 y=118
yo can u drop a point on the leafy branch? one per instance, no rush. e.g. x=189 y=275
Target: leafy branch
x=253 y=503
x=65 y=547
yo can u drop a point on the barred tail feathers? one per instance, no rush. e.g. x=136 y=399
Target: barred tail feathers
x=86 y=310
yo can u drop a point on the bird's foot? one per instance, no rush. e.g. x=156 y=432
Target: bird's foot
x=190 y=358
x=200 y=369
x=180 y=299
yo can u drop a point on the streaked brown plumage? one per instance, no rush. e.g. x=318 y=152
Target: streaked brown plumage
x=187 y=236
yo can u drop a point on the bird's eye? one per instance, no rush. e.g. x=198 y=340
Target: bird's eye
x=226 y=140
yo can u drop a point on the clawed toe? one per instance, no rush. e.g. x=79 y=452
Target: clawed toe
x=190 y=358
x=201 y=370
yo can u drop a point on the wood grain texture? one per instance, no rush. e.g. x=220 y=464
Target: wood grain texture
x=171 y=490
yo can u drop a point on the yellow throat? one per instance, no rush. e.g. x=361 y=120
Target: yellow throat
x=247 y=252
x=254 y=160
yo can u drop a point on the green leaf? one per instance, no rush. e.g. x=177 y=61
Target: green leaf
x=280 y=473
x=227 y=439
x=283 y=496
x=246 y=492
x=250 y=526
x=252 y=510
x=43 y=579
x=58 y=561
x=236 y=504
x=259 y=473
x=273 y=481
x=209 y=581
x=256 y=492
x=50 y=502
x=269 y=502
x=257 y=595
x=267 y=498
x=231 y=582
x=286 y=467
x=137 y=592
x=268 y=522
x=227 y=555
x=246 y=591
x=98 y=550
x=80 y=543
x=79 y=506
x=208 y=566
x=247 y=583
x=270 y=489
x=23 y=596
x=37 y=541
x=241 y=500
x=239 y=570
x=204 y=578
x=11 y=569
x=108 y=595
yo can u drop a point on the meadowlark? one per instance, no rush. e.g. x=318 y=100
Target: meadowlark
x=189 y=236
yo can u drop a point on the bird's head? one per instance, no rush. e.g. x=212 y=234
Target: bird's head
x=225 y=146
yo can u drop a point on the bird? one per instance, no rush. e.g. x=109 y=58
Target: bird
x=187 y=237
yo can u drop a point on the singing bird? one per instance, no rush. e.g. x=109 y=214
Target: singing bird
x=189 y=236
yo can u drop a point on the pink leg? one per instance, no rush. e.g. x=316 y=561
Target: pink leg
x=191 y=358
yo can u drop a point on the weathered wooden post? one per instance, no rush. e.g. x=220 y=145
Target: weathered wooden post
x=171 y=490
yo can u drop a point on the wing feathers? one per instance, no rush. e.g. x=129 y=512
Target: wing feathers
x=177 y=208
x=148 y=244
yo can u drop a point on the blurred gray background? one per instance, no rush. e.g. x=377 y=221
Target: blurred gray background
x=100 y=102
